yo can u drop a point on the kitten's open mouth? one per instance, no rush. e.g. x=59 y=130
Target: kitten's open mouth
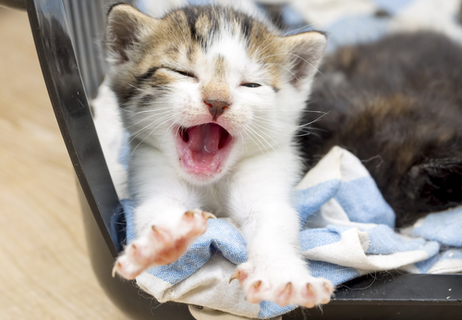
x=203 y=149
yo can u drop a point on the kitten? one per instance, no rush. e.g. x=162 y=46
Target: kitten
x=212 y=98
x=397 y=105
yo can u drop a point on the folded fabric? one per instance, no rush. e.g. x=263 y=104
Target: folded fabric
x=348 y=232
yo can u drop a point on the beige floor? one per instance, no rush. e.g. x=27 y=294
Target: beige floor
x=44 y=269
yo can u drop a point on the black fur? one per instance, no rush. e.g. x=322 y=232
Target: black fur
x=146 y=75
x=114 y=5
x=397 y=105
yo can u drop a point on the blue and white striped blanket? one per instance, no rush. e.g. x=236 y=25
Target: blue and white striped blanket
x=347 y=232
x=347 y=226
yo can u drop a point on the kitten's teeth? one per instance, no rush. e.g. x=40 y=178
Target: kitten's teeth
x=207 y=215
x=234 y=276
x=116 y=268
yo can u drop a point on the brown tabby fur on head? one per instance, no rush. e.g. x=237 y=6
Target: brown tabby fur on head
x=397 y=105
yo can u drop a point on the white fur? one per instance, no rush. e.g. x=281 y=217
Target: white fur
x=108 y=124
x=255 y=184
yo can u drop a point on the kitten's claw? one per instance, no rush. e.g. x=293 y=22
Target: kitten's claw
x=161 y=245
x=155 y=229
x=254 y=292
x=283 y=298
x=328 y=286
x=207 y=215
x=240 y=275
x=189 y=214
x=256 y=285
x=116 y=268
x=234 y=276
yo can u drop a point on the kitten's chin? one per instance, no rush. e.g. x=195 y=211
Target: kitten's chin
x=203 y=151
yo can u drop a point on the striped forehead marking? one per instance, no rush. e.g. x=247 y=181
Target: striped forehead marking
x=220 y=67
x=204 y=22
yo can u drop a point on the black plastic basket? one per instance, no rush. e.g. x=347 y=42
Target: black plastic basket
x=67 y=36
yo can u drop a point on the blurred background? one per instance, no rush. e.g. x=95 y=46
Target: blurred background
x=45 y=271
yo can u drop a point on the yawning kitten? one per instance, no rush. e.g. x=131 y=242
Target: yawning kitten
x=212 y=98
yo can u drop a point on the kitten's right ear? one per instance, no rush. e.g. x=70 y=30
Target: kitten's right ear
x=305 y=51
x=126 y=27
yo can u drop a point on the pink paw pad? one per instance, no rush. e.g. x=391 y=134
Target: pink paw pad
x=161 y=245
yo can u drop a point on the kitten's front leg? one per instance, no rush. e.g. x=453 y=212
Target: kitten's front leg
x=165 y=222
x=275 y=270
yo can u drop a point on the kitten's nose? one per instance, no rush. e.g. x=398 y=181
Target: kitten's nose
x=216 y=107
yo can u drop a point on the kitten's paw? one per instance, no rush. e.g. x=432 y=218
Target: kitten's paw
x=161 y=245
x=283 y=287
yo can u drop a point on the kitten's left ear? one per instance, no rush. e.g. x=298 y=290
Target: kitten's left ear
x=305 y=52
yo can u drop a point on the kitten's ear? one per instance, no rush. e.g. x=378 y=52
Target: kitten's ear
x=126 y=27
x=305 y=52
x=437 y=181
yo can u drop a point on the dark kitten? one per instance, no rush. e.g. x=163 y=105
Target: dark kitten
x=397 y=105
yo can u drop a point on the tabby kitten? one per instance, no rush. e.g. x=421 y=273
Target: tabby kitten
x=212 y=98
x=397 y=105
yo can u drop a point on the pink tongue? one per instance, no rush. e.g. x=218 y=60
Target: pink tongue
x=204 y=141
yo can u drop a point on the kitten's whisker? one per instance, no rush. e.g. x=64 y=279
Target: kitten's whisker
x=150 y=112
x=150 y=125
x=298 y=56
x=152 y=131
x=293 y=31
x=306 y=126
x=166 y=131
x=315 y=111
x=314 y=121
x=270 y=144
x=244 y=145
x=316 y=129
x=284 y=67
x=258 y=136
x=272 y=147
x=309 y=131
x=257 y=144
x=261 y=49
x=271 y=122
x=152 y=115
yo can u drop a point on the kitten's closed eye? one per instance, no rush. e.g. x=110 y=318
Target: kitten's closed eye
x=184 y=73
x=251 y=85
